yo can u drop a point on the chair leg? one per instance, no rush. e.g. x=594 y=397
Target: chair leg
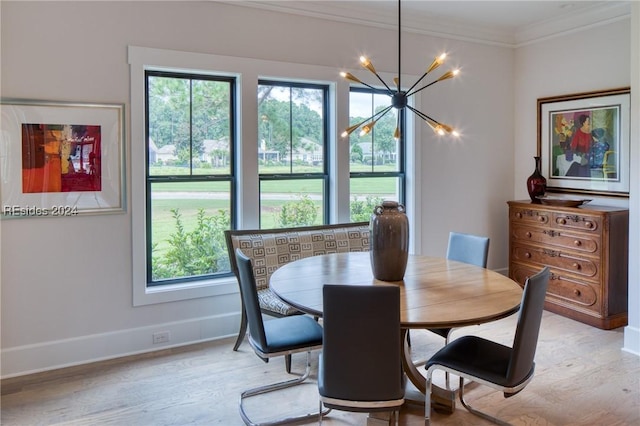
x=446 y=373
x=427 y=400
x=478 y=413
x=274 y=387
x=243 y=330
x=287 y=363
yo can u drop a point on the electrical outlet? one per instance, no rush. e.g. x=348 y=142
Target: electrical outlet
x=160 y=337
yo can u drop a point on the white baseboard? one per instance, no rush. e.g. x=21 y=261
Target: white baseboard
x=632 y=340
x=28 y=359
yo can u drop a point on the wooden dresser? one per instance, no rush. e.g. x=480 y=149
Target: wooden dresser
x=587 y=250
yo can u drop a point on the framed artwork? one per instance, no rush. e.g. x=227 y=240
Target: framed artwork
x=583 y=142
x=61 y=159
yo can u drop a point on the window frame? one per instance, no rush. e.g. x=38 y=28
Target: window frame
x=402 y=154
x=324 y=176
x=151 y=179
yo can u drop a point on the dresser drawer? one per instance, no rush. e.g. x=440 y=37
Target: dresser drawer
x=558 y=259
x=577 y=222
x=557 y=238
x=561 y=287
x=530 y=216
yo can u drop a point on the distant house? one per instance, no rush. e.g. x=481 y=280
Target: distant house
x=166 y=153
x=163 y=154
x=153 y=152
x=215 y=153
x=381 y=157
x=309 y=152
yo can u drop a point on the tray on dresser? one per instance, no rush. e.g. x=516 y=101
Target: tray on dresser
x=562 y=202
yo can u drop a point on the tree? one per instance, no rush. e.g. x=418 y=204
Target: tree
x=286 y=123
x=186 y=112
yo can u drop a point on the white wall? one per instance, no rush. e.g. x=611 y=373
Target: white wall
x=632 y=331
x=66 y=282
x=597 y=59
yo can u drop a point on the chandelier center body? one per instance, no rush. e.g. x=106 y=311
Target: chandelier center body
x=399 y=100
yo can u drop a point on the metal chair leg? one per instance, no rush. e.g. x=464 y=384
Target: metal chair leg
x=274 y=387
x=478 y=413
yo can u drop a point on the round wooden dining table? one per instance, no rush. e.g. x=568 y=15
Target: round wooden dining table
x=435 y=293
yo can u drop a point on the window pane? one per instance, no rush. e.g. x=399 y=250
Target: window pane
x=288 y=203
x=188 y=220
x=211 y=127
x=169 y=124
x=368 y=192
x=274 y=129
x=189 y=126
x=378 y=150
x=291 y=129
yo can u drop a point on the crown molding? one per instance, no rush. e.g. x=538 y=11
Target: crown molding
x=588 y=16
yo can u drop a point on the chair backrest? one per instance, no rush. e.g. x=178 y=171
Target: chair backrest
x=249 y=293
x=528 y=327
x=361 y=343
x=468 y=248
x=269 y=249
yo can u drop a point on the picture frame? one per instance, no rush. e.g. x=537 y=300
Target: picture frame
x=61 y=158
x=583 y=142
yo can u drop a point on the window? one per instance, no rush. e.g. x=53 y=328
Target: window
x=377 y=160
x=244 y=148
x=292 y=153
x=189 y=175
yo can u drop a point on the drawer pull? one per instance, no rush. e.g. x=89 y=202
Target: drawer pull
x=588 y=225
x=527 y=255
x=528 y=234
x=577 y=243
x=519 y=215
x=562 y=221
x=541 y=219
x=576 y=265
x=577 y=292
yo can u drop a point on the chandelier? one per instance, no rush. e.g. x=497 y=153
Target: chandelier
x=399 y=97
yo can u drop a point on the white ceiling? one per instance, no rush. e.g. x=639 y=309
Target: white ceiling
x=509 y=23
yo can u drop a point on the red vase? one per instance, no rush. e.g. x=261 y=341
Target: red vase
x=536 y=183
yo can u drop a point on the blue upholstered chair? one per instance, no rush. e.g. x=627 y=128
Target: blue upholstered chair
x=360 y=365
x=466 y=248
x=277 y=337
x=507 y=369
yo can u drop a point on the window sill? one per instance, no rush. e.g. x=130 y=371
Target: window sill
x=177 y=292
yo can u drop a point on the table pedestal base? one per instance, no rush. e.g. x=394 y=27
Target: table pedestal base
x=442 y=400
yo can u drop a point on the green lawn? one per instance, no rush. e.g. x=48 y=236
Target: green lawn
x=164 y=224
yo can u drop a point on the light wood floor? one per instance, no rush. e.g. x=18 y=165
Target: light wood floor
x=582 y=378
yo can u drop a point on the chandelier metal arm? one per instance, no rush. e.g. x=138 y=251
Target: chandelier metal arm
x=385 y=84
x=378 y=114
x=355 y=127
x=422 y=88
x=423 y=115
